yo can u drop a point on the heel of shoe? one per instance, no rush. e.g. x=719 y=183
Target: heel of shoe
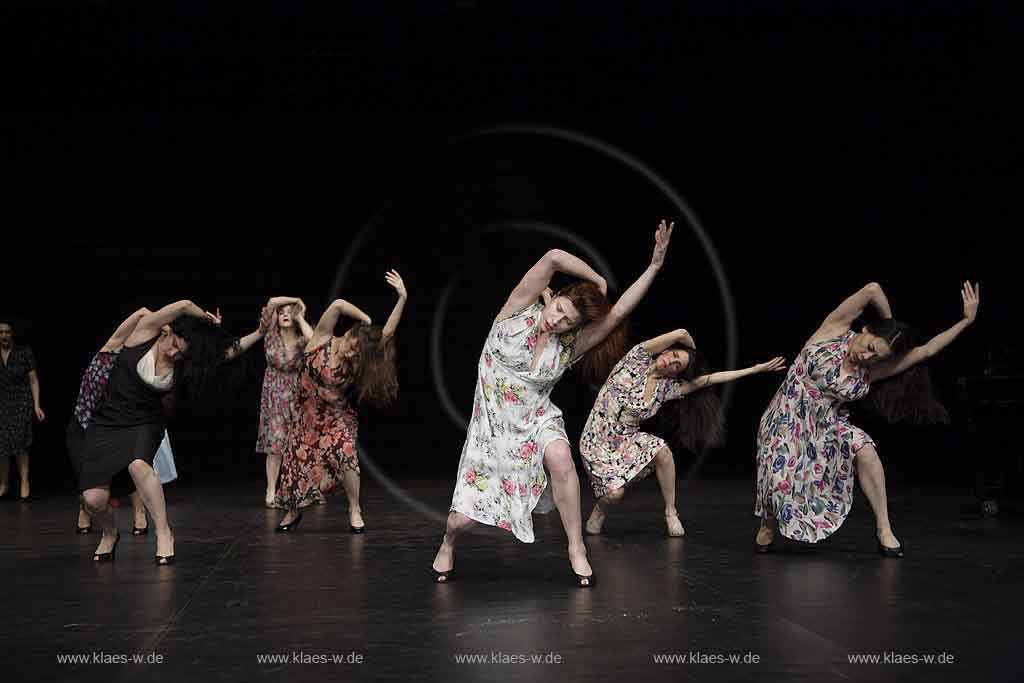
x=290 y=526
x=109 y=556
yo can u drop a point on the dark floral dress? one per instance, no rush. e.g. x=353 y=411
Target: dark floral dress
x=322 y=439
x=806 y=444
x=278 y=406
x=615 y=452
x=16 y=402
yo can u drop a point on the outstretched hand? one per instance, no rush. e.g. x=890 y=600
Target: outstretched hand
x=395 y=280
x=972 y=298
x=661 y=238
x=774 y=365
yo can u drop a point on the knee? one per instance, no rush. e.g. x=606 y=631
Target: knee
x=614 y=496
x=664 y=457
x=95 y=500
x=558 y=459
x=139 y=469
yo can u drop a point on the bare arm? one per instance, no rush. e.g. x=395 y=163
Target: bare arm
x=838 y=321
x=971 y=296
x=595 y=332
x=149 y=325
x=662 y=342
x=325 y=327
x=395 y=280
x=774 y=365
x=537 y=278
x=124 y=330
x=33 y=383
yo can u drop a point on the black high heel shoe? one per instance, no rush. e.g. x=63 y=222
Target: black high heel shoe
x=356 y=529
x=83 y=529
x=140 y=530
x=886 y=551
x=290 y=525
x=578 y=579
x=443 y=577
x=108 y=557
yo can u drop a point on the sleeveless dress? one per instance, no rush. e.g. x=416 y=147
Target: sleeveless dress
x=278 y=406
x=615 y=452
x=91 y=392
x=806 y=444
x=501 y=472
x=322 y=439
x=128 y=424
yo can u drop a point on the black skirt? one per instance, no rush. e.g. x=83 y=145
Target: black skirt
x=106 y=451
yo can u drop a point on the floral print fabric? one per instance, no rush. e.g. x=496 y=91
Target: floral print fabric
x=501 y=472
x=806 y=444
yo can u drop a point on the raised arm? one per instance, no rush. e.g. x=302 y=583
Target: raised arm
x=774 y=365
x=395 y=280
x=537 y=278
x=124 y=330
x=149 y=325
x=838 y=321
x=595 y=332
x=325 y=328
x=971 y=296
x=662 y=342
x=300 y=319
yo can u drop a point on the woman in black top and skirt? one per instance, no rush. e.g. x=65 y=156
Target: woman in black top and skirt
x=177 y=347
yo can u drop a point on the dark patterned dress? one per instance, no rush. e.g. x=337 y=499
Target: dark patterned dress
x=278 y=406
x=90 y=393
x=615 y=452
x=806 y=444
x=322 y=438
x=16 y=402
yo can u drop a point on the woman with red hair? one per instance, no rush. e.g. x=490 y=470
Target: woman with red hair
x=516 y=439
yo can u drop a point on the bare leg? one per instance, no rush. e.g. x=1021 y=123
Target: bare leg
x=138 y=511
x=350 y=481
x=871 y=476
x=147 y=484
x=597 y=516
x=97 y=502
x=23 y=474
x=565 y=487
x=84 y=518
x=273 y=470
x=665 y=469
x=445 y=559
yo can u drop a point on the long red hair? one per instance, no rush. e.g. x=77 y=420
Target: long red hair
x=593 y=305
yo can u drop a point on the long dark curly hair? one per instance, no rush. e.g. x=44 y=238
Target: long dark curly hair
x=593 y=305
x=375 y=372
x=203 y=375
x=909 y=396
x=695 y=421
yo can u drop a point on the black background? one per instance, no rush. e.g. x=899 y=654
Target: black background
x=226 y=154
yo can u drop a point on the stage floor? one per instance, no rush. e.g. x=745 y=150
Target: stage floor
x=244 y=603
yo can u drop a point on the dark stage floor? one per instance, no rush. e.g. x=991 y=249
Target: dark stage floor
x=240 y=591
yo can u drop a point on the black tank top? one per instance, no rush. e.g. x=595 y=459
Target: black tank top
x=130 y=401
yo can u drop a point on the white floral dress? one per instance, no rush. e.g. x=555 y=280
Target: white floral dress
x=501 y=472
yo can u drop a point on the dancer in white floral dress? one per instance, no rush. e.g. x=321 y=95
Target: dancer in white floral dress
x=807 y=449
x=664 y=371
x=516 y=440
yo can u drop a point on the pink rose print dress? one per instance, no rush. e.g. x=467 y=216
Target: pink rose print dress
x=278 y=406
x=501 y=472
x=615 y=452
x=322 y=438
x=806 y=444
